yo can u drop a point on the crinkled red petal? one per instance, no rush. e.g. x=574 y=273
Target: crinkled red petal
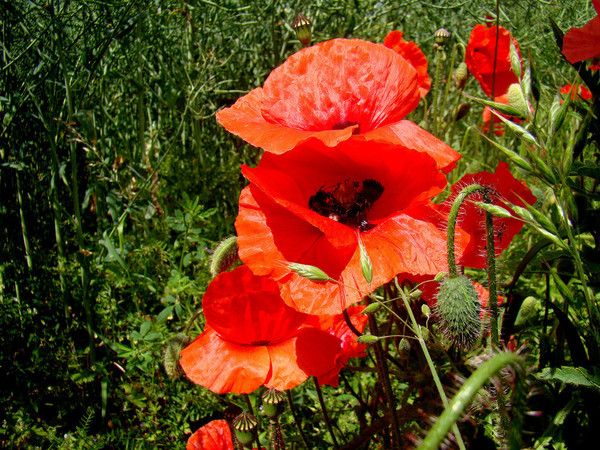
x=413 y=54
x=580 y=44
x=215 y=435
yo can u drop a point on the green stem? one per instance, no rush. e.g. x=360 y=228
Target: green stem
x=491 y=270
x=325 y=413
x=436 y=379
x=438 y=65
x=288 y=393
x=464 y=396
x=23 y=223
x=452 y=268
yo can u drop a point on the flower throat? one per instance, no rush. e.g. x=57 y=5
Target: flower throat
x=347 y=202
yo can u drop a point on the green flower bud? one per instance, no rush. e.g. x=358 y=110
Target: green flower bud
x=416 y=294
x=302 y=26
x=461 y=75
x=404 y=347
x=367 y=339
x=310 y=272
x=245 y=426
x=272 y=403
x=370 y=309
x=224 y=256
x=440 y=276
x=171 y=355
x=425 y=310
x=458 y=310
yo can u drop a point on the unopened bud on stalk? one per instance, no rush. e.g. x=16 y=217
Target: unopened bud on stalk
x=245 y=425
x=370 y=309
x=440 y=276
x=441 y=36
x=416 y=294
x=463 y=110
x=310 y=272
x=425 y=310
x=404 y=347
x=302 y=26
x=461 y=75
x=224 y=256
x=367 y=339
x=171 y=355
x=458 y=310
x=272 y=403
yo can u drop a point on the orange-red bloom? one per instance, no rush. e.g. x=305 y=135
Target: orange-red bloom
x=576 y=91
x=413 y=54
x=335 y=91
x=503 y=186
x=490 y=118
x=252 y=338
x=215 y=435
x=480 y=59
x=580 y=44
x=312 y=206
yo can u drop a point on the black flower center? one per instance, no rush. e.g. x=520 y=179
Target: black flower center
x=347 y=202
x=346 y=124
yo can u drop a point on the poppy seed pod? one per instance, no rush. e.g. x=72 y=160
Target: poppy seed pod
x=459 y=311
x=245 y=425
x=441 y=36
x=302 y=26
x=171 y=355
x=272 y=403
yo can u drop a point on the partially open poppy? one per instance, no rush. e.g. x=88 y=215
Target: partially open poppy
x=252 y=338
x=490 y=118
x=577 y=91
x=502 y=186
x=580 y=44
x=335 y=91
x=215 y=435
x=313 y=205
x=479 y=57
x=413 y=54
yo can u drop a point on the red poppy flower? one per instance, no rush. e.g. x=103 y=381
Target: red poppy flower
x=334 y=91
x=504 y=186
x=480 y=59
x=489 y=117
x=413 y=54
x=580 y=44
x=312 y=206
x=336 y=326
x=215 y=435
x=577 y=91
x=252 y=338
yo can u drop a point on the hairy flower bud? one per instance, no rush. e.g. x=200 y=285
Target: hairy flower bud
x=171 y=355
x=404 y=347
x=224 y=256
x=367 y=339
x=458 y=310
x=461 y=75
x=370 y=309
x=302 y=26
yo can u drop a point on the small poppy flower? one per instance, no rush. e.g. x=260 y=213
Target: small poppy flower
x=577 y=91
x=503 y=186
x=413 y=54
x=479 y=57
x=580 y=44
x=252 y=338
x=215 y=435
x=314 y=206
x=335 y=91
x=491 y=118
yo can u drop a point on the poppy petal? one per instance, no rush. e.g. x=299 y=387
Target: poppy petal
x=580 y=44
x=413 y=54
x=224 y=367
x=215 y=435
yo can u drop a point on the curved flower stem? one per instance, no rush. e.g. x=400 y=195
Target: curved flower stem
x=384 y=378
x=325 y=413
x=452 y=269
x=296 y=418
x=436 y=378
x=449 y=78
x=438 y=64
x=464 y=396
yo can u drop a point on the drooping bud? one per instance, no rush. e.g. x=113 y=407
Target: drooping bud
x=367 y=339
x=458 y=310
x=404 y=347
x=461 y=75
x=425 y=310
x=224 y=256
x=272 y=403
x=370 y=309
x=245 y=426
x=440 y=276
x=171 y=355
x=441 y=36
x=302 y=26
x=463 y=110
x=416 y=294
x=310 y=272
